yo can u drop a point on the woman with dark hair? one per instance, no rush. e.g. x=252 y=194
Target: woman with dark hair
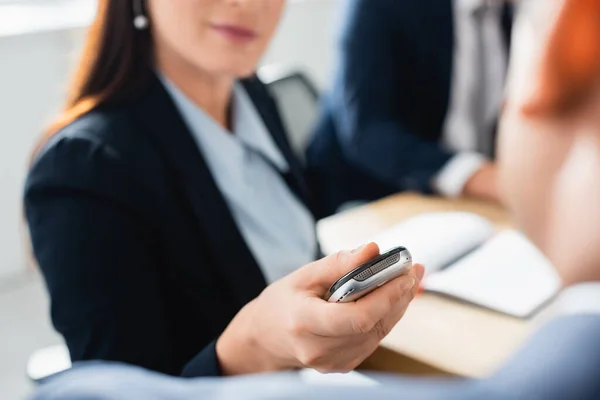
x=166 y=198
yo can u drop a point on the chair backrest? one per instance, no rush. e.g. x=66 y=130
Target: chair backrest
x=297 y=99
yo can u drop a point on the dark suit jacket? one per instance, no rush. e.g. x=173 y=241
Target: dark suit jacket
x=560 y=362
x=142 y=258
x=381 y=124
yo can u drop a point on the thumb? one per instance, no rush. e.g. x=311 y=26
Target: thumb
x=318 y=276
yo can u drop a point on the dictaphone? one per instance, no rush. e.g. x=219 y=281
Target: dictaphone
x=369 y=276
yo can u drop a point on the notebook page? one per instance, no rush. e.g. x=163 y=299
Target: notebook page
x=437 y=239
x=507 y=274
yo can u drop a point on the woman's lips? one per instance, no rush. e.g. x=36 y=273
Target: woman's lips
x=235 y=33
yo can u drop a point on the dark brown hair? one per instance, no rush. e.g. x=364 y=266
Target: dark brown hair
x=571 y=65
x=115 y=63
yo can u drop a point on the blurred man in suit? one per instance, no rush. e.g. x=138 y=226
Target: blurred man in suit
x=415 y=100
x=549 y=174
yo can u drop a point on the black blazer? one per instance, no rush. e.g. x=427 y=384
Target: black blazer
x=142 y=258
x=381 y=124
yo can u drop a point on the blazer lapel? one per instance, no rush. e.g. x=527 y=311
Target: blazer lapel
x=295 y=178
x=267 y=109
x=156 y=111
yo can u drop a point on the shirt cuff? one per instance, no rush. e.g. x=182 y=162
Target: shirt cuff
x=453 y=176
x=583 y=298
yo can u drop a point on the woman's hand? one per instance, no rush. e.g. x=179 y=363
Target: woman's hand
x=290 y=325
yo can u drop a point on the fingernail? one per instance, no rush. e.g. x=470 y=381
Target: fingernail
x=409 y=285
x=421 y=290
x=358 y=249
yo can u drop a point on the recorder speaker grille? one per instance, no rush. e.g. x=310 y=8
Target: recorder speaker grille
x=380 y=266
x=363 y=275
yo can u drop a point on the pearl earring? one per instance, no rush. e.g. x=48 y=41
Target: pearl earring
x=140 y=21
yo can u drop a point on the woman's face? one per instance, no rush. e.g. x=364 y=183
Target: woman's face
x=550 y=167
x=220 y=37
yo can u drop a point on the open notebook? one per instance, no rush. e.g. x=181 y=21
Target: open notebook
x=466 y=258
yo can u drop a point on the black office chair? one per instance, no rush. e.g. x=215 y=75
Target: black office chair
x=297 y=98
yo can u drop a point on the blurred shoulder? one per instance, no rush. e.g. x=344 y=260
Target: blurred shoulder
x=360 y=18
x=109 y=381
x=109 y=128
x=398 y=8
x=101 y=148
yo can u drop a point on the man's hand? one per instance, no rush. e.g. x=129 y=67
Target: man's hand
x=483 y=184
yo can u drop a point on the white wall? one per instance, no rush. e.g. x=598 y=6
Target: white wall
x=305 y=38
x=34 y=69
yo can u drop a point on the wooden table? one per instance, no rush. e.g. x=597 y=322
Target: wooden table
x=437 y=334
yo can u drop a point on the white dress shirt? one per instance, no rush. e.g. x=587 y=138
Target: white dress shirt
x=583 y=298
x=247 y=165
x=461 y=132
x=579 y=299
